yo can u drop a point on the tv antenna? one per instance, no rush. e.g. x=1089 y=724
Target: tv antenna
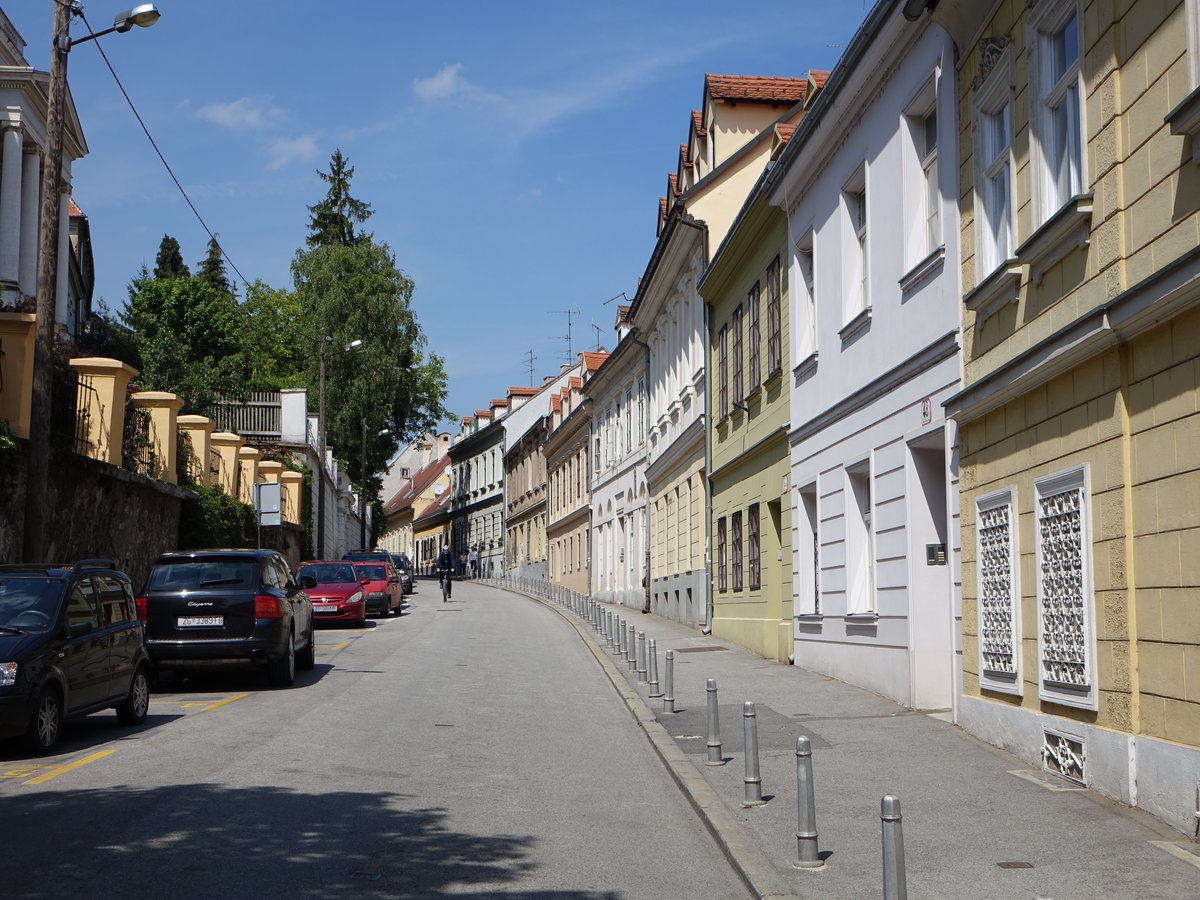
x=617 y=297
x=570 y=314
x=599 y=331
x=530 y=359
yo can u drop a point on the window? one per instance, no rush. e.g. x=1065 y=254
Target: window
x=1064 y=588
x=723 y=372
x=735 y=549
x=722 y=578
x=628 y=420
x=808 y=587
x=993 y=170
x=805 y=331
x=754 y=338
x=860 y=555
x=854 y=204
x=998 y=586
x=774 y=319
x=1056 y=76
x=82 y=605
x=752 y=548
x=739 y=393
x=929 y=174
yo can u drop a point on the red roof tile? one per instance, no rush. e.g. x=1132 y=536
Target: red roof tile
x=519 y=391
x=698 y=123
x=576 y=382
x=818 y=77
x=466 y=420
x=483 y=413
x=755 y=89
x=785 y=132
x=555 y=403
x=499 y=403
x=592 y=361
x=74 y=210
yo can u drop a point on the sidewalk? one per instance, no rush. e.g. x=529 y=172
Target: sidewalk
x=970 y=811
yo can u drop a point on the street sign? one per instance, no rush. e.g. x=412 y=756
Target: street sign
x=267 y=501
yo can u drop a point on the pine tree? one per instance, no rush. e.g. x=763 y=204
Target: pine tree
x=211 y=269
x=169 y=262
x=334 y=218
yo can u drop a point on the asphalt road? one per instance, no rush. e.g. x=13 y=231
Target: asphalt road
x=466 y=749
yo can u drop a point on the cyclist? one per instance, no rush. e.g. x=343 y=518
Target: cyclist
x=445 y=568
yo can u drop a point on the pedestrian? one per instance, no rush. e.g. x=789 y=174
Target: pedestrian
x=473 y=562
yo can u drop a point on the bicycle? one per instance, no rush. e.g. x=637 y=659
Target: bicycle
x=444 y=581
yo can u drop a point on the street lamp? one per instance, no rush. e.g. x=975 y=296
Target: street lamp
x=323 y=354
x=37 y=470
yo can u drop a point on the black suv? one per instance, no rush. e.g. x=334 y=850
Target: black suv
x=70 y=644
x=227 y=607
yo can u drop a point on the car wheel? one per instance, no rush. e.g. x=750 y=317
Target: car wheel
x=45 y=723
x=132 y=710
x=282 y=672
x=307 y=658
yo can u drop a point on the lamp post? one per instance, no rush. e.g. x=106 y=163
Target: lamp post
x=323 y=354
x=37 y=470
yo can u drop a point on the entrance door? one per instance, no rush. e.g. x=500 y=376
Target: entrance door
x=931 y=585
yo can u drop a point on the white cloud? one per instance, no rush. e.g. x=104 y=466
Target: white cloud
x=446 y=84
x=286 y=150
x=246 y=113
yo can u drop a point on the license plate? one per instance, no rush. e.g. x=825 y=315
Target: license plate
x=325 y=607
x=200 y=621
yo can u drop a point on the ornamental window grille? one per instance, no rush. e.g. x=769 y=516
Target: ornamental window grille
x=996 y=562
x=1064 y=589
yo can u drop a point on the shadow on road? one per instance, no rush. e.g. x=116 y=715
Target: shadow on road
x=201 y=840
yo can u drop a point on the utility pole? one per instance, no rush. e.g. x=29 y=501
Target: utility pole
x=323 y=353
x=362 y=491
x=38 y=457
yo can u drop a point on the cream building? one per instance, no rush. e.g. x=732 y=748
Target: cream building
x=1079 y=430
x=729 y=143
x=568 y=511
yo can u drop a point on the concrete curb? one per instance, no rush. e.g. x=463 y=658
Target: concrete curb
x=738 y=845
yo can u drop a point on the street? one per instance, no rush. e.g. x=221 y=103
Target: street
x=469 y=749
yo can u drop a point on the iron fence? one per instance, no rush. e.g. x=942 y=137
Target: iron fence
x=257 y=417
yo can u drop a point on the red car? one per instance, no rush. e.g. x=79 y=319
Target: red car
x=381 y=583
x=335 y=590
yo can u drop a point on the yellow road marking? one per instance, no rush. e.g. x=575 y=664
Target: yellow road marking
x=22 y=771
x=337 y=646
x=222 y=702
x=58 y=770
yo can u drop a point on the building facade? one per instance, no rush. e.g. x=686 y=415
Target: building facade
x=1080 y=209
x=477 y=509
x=568 y=507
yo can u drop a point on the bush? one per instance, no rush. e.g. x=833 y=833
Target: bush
x=215 y=519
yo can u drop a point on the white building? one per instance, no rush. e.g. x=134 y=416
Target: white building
x=477 y=507
x=869 y=185
x=620 y=549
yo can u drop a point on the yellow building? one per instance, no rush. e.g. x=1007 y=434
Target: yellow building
x=1079 y=450
x=749 y=416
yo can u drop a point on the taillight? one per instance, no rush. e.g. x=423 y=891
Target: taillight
x=267 y=607
x=140 y=603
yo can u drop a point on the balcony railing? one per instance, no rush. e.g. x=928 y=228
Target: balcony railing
x=256 y=419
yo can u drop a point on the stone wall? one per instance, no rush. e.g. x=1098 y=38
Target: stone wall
x=95 y=510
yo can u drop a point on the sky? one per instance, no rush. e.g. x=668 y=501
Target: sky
x=513 y=153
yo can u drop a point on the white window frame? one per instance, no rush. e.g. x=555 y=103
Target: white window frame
x=855 y=256
x=804 y=289
x=1044 y=98
x=860 y=540
x=1083 y=696
x=923 y=196
x=992 y=97
x=989 y=679
x=1192 y=11
x=808 y=574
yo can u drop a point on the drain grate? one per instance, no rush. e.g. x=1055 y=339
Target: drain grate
x=1015 y=865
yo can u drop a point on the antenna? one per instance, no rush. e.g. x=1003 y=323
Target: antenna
x=599 y=331
x=570 y=314
x=530 y=359
x=611 y=299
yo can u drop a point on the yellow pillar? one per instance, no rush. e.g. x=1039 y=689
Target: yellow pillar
x=270 y=470
x=291 y=486
x=227 y=445
x=17 y=332
x=163 y=408
x=198 y=430
x=248 y=458
x=104 y=405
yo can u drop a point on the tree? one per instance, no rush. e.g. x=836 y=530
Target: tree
x=169 y=262
x=272 y=337
x=334 y=218
x=187 y=334
x=212 y=268
x=349 y=285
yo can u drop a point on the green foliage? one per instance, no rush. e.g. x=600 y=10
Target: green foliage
x=169 y=262
x=334 y=218
x=188 y=338
x=211 y=269
x=8 y=441
x=273 y=339
x=214 y=520
x=104 y=334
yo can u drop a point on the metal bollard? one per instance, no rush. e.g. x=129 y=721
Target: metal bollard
x=669 y=694
x=631 y=647
x=807 y=854
x=606 y=629
x=619 y=637
x=753 y=780
x=894 y=882
x=652 y=668
x=715 y=757
x=641 y=656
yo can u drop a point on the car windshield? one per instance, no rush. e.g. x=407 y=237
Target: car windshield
x=28 y=603
x=377 y=573
x=328 y=573
x=195 y=574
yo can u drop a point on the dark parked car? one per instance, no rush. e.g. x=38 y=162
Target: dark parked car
x=70 y=644
x=227 y=607
x=404 y=567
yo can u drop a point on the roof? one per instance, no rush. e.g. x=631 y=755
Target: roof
x=785 y=132
x=519 y=391
x=755 y=88
x=698 y=123
x=483 y=413
x=576 y=383
x=74 y=208
x=498 y=403
x=592 y=361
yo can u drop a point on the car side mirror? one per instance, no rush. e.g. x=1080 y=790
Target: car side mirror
x=365 y=582
x=79 y=629
x=307 y=582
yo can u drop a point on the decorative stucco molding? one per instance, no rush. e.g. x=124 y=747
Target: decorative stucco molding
x=991 y=48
